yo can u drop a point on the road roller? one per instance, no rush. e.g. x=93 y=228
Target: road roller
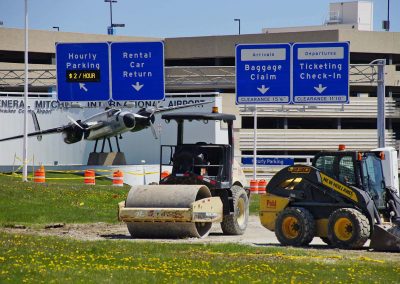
x=206 y=185
x=344 y=198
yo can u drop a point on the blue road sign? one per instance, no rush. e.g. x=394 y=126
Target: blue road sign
x=263 y=73
x=82 y=72
x=321 y=73
x=137 y=71
x=269 y=161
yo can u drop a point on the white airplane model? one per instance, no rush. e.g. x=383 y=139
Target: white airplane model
x=109 y=123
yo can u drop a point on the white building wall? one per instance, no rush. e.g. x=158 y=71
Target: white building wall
x=358 y=13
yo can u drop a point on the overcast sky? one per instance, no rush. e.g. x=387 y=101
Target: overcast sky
x=178 y=18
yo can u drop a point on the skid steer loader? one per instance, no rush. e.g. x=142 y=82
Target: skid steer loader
x=342 y=198
x=205 y=186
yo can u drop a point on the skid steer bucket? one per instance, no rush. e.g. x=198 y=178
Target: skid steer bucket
x=386 y=238
x=170 y=211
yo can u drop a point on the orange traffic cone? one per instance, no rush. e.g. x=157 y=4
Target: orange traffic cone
x=90 y=177
x=262 y=185
x=254 y=186
x=40 y=175
x=164 y=174
x=118 y=178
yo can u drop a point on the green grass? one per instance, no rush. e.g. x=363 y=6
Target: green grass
x=35 y=259
x=27 y=203
x=254 y=204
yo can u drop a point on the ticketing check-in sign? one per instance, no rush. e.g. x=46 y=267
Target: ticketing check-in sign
x=321 y=73
x=263 y=73
x=82 y=71
x=137 y=71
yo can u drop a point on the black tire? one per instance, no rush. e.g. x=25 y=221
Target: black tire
x=295 y=226
x=236 y=223
x=348 y=228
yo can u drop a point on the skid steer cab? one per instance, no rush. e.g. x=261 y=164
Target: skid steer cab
x=342 y=198
x=206 y=185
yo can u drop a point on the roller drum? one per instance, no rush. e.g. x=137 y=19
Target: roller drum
x=167 y=196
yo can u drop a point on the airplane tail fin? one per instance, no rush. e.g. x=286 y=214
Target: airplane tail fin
x=36 y=125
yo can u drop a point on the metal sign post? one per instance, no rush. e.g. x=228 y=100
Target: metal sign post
x=255 y=145
x=381 y=120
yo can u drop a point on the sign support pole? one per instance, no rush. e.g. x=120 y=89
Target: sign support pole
x=381 y=121
x=255 y=144
x=25 y=143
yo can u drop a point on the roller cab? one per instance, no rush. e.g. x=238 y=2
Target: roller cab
x=205 y=186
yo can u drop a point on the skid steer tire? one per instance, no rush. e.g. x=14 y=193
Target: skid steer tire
x=236 y=223
x=295 y=226
x=348 y=228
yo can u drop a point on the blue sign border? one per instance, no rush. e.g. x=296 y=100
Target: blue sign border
x=251 y=89
x=101 y=88
x=341 y=86
x=153 y=88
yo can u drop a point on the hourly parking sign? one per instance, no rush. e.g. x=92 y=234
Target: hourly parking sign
x=263 y=73
x=321 y=73
x=82 y=72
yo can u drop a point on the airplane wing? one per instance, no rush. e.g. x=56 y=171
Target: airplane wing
x=38 y=133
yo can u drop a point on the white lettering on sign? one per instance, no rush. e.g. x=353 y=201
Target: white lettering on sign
x=310 y=53
x=263 y=54
x=325 y=99
x=263 y=72
x=127 y=55
x=86 y=63
x=82 y=56
x=136 y=74
x=270 y=99
x=320 y=76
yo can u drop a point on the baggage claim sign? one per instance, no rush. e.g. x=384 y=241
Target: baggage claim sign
x=300 y=73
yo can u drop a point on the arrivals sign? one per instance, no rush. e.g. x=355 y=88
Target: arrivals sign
x=87 y=72
x=301 y=73
x=263 y=73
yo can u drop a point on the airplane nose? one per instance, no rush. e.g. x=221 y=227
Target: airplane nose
x=129 y=120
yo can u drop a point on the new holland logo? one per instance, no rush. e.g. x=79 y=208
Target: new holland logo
x=339 y=187
x=299 y=170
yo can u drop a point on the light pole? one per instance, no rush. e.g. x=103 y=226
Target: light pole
x=25 y=142
x=110 y=29
x=237 y=20
x=386 y=24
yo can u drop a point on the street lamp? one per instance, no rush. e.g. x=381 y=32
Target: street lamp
x=110 y=29
x=56 y=28
x=386 y=24
x=237 y=20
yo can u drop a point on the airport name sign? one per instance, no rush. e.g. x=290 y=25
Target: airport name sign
x=128 y=71
x=263 y=73
x=301 y=73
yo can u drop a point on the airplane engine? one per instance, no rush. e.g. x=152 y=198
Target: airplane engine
x=129 y=120
x=72 y=134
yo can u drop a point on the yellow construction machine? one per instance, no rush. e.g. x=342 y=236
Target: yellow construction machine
x=342 y=198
